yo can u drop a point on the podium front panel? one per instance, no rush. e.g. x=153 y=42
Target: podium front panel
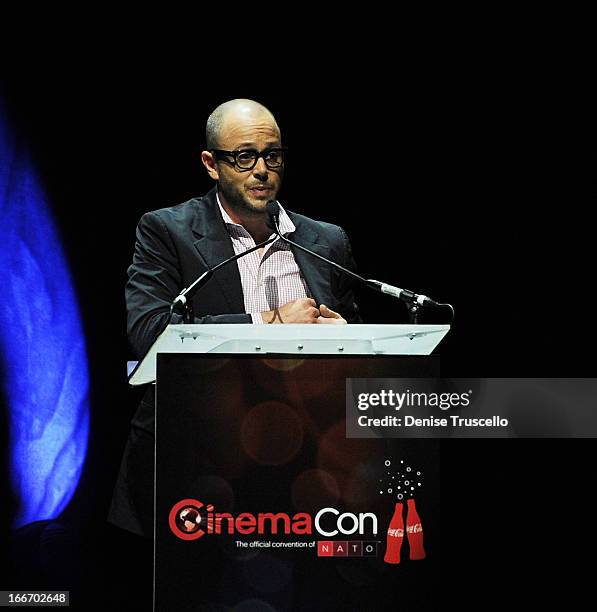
x=262 y=503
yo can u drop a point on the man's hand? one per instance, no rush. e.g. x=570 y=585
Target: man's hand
x=303 y=311
x=328 y=316
x=298 y=311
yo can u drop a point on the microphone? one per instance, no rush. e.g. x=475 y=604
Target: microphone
x=273 y=216
x=404 y=294
x=273 y=213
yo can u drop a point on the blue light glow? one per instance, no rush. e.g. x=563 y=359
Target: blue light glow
x=42 y=346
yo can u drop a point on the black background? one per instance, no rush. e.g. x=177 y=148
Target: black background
x=463 y=181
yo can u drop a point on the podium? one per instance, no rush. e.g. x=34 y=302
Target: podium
x=290 y=340
x=261 y=501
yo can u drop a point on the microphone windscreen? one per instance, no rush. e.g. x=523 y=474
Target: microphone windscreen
x=272 y=208
x=273 y=212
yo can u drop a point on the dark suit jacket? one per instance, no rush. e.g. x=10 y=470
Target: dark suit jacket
x=174 y=246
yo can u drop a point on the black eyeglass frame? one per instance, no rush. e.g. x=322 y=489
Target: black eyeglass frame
x=233 y=154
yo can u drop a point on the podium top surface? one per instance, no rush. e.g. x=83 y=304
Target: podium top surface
x=289 y=339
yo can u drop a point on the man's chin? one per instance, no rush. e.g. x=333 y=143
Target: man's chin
x=258 y=205
x=250 y=204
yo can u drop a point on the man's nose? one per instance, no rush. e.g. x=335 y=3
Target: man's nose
x=260 y=169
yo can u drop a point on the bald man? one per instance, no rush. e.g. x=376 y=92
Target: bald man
x=244 y=155
x=274 y=285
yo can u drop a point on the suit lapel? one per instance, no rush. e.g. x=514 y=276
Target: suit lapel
x=214 y=246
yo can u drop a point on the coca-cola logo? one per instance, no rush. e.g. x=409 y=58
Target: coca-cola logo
x=396 y=533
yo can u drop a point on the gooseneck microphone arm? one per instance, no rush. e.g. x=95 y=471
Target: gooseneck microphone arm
x=182 y=302
x=413 y=300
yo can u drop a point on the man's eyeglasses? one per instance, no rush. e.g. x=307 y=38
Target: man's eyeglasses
x=246 y=159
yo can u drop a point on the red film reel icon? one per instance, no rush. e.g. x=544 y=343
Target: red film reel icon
x=185 y=519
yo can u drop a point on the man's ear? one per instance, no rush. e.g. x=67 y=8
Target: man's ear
x=210 y=165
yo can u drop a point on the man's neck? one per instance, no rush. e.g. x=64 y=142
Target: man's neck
x=255 y=223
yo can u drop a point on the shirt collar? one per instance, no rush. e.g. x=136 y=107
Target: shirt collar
x=285 y=223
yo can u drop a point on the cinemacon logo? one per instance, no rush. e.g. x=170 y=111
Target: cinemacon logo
x=190 y=519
